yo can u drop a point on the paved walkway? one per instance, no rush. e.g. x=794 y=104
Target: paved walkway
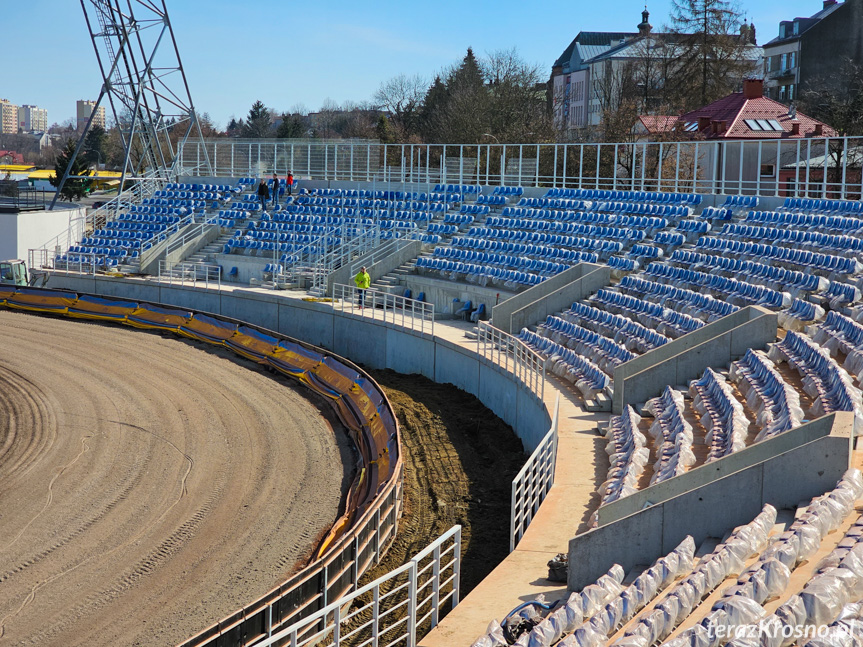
x=581 y=467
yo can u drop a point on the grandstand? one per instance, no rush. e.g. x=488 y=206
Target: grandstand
x=665 y=354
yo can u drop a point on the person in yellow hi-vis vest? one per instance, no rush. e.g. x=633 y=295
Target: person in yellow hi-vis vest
x=363 y=281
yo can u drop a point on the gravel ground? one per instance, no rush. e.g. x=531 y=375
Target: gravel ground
x=149 y=485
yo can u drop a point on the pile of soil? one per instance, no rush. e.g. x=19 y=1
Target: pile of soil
x=460 y=460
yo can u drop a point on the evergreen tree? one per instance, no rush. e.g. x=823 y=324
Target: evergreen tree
x=292 y=127
x=432 y=111
x=258 y=123
x=74 y=189
x=711 y=53
x=94 y=145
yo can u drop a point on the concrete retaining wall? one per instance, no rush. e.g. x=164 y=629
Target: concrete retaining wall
x=372 y=343
x=594 y=277
x=715 y=345
x=713 y=509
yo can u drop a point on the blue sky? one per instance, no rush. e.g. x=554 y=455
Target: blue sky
x=302 y=54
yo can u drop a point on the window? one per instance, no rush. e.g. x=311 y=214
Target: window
x=768 y=60
x=783 y=61
x=791 y=93
x=792 y=58
x=796 y=28
x=782 y=92
x=767 y=170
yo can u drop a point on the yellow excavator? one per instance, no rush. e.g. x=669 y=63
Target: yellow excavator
x=15 y=273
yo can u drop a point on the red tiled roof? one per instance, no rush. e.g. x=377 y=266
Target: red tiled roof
x=658 y=123
x=735 y=110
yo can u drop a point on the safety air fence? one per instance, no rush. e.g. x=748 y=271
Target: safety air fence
x=811 y=167
x=391 y=308
x=393 y=609
x=511 y=354
x=365 y=530
x=532 y=483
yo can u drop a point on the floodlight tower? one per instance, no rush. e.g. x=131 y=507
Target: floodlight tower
x=145 y=85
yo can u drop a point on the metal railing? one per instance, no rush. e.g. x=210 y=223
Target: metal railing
x=74 y=263
x=15 y=198
x=532 y=483
x=821 y=167
x=391 y=308
x=392 y=610
x=194 y=274
x=513 y=355
x=324 y=582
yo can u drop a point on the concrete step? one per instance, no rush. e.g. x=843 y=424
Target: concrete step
x=600 y=404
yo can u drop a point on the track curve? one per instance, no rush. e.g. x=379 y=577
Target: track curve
x=138 y=481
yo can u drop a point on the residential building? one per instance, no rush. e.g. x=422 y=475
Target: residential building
x=8 y=117
x=84 y=109
x=809 y=50
x=32 y=119
x=588 y=77
x=746 y=139
x=571 y=76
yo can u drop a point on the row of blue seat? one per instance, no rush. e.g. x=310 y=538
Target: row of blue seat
x=813 y=220
x=657 y=315
x=752 y=269
x=542 y=244
x=747 y=292
x=666 y=210
x=823 y=378
x=508 y=190
x=554 y=203
x=822 y=262
x=680 y=299
x=525 y=263
x=497 y=227
x=741 y=201
x=726 y=422
x=776 y=403
x=823 y=206
x=586 y=375
x=633 y=335
x=512 y=277
x=819 y=240
x=629 y=196
x=604 y=352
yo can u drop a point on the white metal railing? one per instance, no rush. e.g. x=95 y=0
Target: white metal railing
x=818 y=167
x=179 y=241
x=513 y=355
x=72 y=263
x=532 y=483
x=195 y=274
x=391 y=308
x=393 y=609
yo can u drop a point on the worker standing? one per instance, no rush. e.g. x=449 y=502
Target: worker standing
x=363 y=281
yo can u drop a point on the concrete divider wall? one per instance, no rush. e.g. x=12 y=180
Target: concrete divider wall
x=713 y=509
x=375 y=344
x=704 y=474
x=714 y=345
x=594 y=278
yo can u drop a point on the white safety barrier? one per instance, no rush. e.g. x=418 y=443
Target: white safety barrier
x=391 y=308
x=512 y=355
x=195 y=274
x=532 y=483
x=392 y=609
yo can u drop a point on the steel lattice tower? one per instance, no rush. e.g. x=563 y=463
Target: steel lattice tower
x=145 y=84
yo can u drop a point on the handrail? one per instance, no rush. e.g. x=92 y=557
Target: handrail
x=196 y=274
x=513 y=355
x=533 y=482
x=402 y=311
x=421 y=597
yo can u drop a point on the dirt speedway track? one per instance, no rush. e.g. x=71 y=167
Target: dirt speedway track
x=149 y=485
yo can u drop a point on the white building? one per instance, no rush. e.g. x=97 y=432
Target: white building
x=8 y=117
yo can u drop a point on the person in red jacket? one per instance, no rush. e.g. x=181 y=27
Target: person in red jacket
x=290 y=181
